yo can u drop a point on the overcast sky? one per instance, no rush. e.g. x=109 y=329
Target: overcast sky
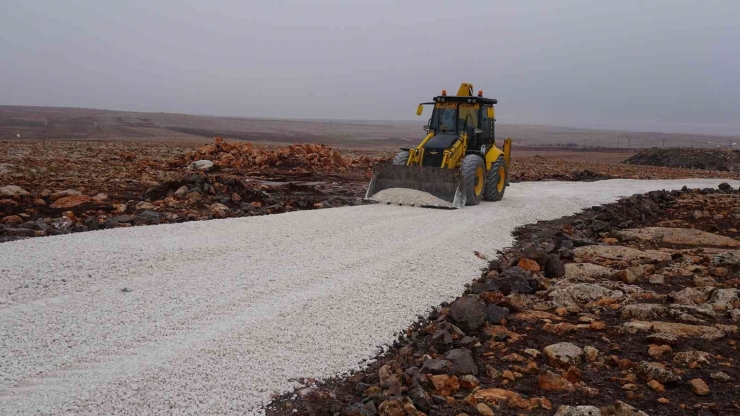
x=653 y=65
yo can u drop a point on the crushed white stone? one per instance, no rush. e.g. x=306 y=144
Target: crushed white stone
x=404 y=196
x=214 y=317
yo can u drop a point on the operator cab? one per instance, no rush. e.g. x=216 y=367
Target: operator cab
x=454 y=116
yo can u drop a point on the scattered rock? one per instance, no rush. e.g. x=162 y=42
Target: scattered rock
x=677 y=329
x=528 y=265
x=720 y=376
x=586 y=272
x=10 y=191
x=462 y=362
x=689 y=357
x=469 y=312
x=554 y=267
x=578 y=411
x=621 y=253
x=590 y=353
x=484 y=410
x=516 y=280
x=581 y=293
x=659 y=352
x=656 y=279
x=496 y=313
x=70 y=201
x=656 y=371
x=219 y=210
x=549 y=381
x=564 y=354
x=445 y=385
x=699 y=387
x=11 y=220
x=655 y=385
x=200 y=165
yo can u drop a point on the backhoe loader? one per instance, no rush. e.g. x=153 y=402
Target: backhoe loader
x=458 y=161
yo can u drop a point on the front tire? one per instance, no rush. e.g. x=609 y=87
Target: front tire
x=496 y=180
x=402 y=158
x=474 y=177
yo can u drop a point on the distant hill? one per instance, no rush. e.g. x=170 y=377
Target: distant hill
x=54 y=123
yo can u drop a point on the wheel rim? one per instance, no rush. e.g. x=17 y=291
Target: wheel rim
x=478 y=180
x=501 y=179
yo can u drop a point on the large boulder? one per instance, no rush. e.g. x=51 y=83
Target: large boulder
x=516 y=280
x=10 y=191
x=462 y=362
x=469 y=312
x=554 y=267
x=726 y=259
x=621 y=253
x=586 y=272
x=678 y=330
x=582 y=293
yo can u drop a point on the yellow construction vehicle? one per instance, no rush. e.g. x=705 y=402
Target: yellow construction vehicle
x=458 y=161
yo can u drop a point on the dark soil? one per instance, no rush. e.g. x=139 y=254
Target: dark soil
x=692 y=158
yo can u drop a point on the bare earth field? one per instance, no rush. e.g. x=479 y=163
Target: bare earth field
x=77 y=123
x=659 y=335
x=50 y=187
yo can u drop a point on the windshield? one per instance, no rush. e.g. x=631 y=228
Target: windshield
x=444 y=120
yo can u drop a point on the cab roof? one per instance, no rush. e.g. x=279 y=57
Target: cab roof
x=464 y=99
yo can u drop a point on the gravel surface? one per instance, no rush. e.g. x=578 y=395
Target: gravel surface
x=216 y=316
x=403 y=196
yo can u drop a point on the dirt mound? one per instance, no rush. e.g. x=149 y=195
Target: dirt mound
x=704 y=159
x=299 y=158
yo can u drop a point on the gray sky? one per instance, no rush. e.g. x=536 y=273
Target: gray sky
x=654 y=65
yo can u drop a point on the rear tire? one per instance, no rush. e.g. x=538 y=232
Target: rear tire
x=401 y=158
x=474 y=176
x=495 y=182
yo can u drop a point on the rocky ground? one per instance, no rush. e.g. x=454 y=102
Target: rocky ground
x=49 y=188
x=591 y=167
x=625 y=309
x=709 y=159
x=58 y=187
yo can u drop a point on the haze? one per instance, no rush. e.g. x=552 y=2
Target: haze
x=659 y=65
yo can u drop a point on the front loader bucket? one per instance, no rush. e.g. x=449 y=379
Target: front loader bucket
x=444 y=184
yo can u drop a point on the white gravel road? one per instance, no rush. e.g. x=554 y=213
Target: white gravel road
x=216 y=316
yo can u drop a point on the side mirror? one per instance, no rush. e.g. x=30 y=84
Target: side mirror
x=491 y=114
x=426 y=128
x=419 y=110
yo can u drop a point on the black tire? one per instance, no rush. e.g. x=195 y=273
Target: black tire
x=470 y=164
x=401 y=158
x=493 y=180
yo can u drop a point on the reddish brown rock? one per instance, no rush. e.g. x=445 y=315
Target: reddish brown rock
x=550 y=381
x=528 y=265
x=70 y=201
x=445 y=385
x=699 y=387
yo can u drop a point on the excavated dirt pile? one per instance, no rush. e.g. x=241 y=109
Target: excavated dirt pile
x=625 y=309
x=692 y=158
